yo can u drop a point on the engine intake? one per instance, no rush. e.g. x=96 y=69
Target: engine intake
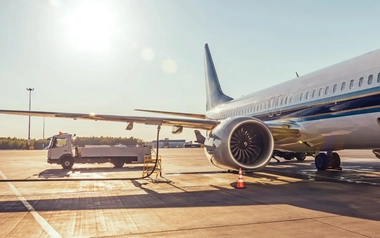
x=240 y=142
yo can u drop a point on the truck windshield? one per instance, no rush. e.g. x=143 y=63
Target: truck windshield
x=57 y=142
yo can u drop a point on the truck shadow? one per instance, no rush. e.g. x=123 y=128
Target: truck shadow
x=65 y=173
x=54 y=173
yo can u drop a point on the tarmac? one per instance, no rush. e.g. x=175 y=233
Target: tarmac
x=191 y=199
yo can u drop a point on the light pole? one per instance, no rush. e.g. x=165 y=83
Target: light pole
x=43 y=134
x=30 y=105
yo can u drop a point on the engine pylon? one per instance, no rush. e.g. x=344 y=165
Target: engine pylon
x=240 y=183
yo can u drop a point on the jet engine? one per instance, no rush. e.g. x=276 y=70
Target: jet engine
x=240 y=142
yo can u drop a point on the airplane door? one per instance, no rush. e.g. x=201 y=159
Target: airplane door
x=279 y=102
x=271 y=107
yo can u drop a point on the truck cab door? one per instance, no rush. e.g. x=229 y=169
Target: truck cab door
x=59 y=147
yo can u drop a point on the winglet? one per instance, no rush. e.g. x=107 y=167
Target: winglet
x=200 y=138
x=214 y=93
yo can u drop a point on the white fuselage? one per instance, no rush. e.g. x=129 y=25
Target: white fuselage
x=336 y=107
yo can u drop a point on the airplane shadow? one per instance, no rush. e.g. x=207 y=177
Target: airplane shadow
x=326 y=197
x=352 y=172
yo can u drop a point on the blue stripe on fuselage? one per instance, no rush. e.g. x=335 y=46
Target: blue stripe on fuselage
x=354 y=103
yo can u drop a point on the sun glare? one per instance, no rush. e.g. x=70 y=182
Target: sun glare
x=91 y=26
x=169 y=66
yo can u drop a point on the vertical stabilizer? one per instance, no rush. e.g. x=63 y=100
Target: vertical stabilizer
x=214 y=93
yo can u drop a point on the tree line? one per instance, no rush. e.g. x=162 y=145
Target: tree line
x=8 y=143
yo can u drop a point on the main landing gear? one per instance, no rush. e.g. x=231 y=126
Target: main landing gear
x=329 y=160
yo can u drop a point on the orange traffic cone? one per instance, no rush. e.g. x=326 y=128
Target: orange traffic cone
x=240 y=183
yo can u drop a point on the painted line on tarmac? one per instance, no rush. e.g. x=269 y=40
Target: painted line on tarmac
x=43 y=223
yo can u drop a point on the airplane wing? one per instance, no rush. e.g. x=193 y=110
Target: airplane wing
x=187 y=122
x=193 y=115
x=280 y=130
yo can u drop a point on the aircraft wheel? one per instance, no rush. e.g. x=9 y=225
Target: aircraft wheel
x=334 y=161
x=118 y=163
x=321 y=161
x=67 y=162
x=301 y=156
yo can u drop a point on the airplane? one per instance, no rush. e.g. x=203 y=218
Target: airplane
x=331 y=109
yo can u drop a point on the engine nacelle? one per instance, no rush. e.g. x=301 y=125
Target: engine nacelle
x=240 y=142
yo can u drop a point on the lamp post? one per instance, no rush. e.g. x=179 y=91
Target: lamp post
x=43 y=134
x=30 y=105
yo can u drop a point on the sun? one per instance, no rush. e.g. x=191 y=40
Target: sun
x=91 y=26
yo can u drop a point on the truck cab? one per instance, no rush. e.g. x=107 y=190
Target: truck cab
x=60 y=147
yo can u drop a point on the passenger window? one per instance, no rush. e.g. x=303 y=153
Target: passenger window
x=286 y=100
x=370 y=79
x=378 y=78
x=327 y=90
x=301 y=96
x=351 y=83
x=320 y=92
x=343 y=86
x=334 y=88
x=290 y=99
x=307 y=95
x=313 y=95
x=361 y=81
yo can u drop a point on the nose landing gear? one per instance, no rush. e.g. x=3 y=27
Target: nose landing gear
x=324 y=161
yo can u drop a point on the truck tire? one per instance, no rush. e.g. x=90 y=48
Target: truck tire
x=300 y=156
x=67 y=162
x=118 y=163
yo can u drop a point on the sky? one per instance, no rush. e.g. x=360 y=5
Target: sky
x=113 y=56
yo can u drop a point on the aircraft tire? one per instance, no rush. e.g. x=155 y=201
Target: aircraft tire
x=301 y=156
x=334 y=161
x=321 y=161
x=67 y=162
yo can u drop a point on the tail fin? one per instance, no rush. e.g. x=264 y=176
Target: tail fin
x=214 y=93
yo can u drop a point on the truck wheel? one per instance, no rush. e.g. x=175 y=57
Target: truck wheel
x=118 y=163
x=67 y=162
x=301 y=156
x=288 y=157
